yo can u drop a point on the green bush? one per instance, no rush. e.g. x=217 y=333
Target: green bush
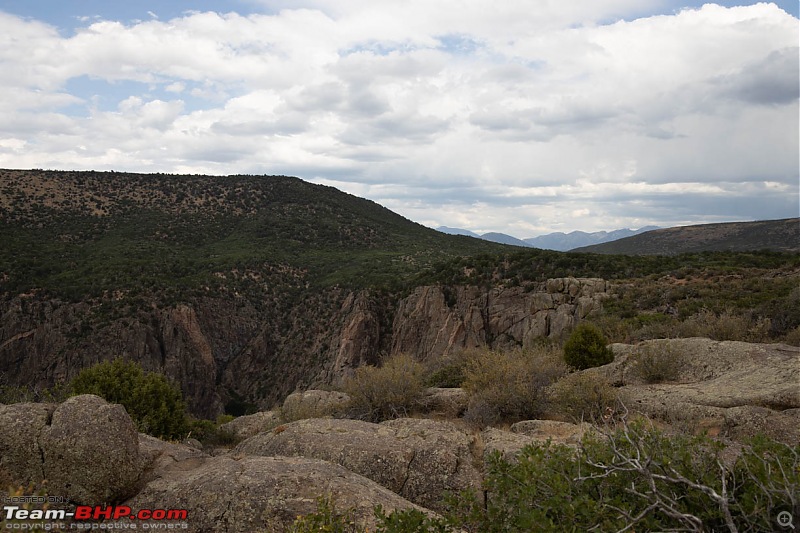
x=390 y=391
x=636 y=479
x=448 y=371
x=586 y=348
x=154 y=404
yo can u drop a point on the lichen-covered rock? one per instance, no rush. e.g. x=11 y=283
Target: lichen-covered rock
x=21 y=425
x=417 y=459
x=86 y=449
x=236 y=493
x=313 y=403
x=246 y=426
x=90 y=451
x=730 y=388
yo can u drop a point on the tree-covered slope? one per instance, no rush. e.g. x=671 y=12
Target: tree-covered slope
x=80 y=234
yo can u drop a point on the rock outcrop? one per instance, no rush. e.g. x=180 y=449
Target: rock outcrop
x=86 y=448
x=728 y=388
x=313 y=404
x=415 y=458
x=437 y=320
x=242 y=494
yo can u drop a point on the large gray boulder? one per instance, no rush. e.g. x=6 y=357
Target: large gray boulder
x=313 y=403
x=417 y=459
x=726 y=388
x=86 y=448
x=236 y=493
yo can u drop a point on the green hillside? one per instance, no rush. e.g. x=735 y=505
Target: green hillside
x=777 y=235
x=79 y=234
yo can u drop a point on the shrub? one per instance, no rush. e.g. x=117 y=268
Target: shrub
x=449 y=370
x=636 y=479
x=586 y=348
x=657 y=363
x=584 y=396
x=154 y=404
x=390 y=391
x=510 y=384
x=726 y=326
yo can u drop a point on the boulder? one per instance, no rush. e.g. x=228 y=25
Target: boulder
x=236 y=493
x=246 y=426
x=726 y=388
x=507 y=443
x=160 y=458
x=86 y=448
x=90 y=451
x=313 y=404
x=417 y=459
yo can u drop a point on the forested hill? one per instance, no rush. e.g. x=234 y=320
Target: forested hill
x=82 y=233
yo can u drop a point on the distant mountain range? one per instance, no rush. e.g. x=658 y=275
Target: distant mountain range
x=559 y=241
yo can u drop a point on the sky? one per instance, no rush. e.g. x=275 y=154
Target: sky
x=517 y=116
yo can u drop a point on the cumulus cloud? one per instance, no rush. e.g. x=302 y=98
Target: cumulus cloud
x=494 y=117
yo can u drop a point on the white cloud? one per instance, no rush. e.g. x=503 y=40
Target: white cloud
x=492 y=116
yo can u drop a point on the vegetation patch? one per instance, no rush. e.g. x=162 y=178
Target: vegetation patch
x=587 y=347
x=392 y=390
x=154 y=403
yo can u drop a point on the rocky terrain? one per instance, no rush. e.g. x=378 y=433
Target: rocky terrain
x=728 y=389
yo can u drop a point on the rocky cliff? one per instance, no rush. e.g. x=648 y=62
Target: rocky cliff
x=224 y=349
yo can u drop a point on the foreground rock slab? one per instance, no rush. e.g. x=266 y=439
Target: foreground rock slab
x=415 y=458
x=244 y=494
x=726 y=388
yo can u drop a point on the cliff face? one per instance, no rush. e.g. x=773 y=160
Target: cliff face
x=442 y=320
x=219 y=349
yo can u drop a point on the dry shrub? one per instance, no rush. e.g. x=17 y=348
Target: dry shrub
x=509 y=385
x=657 y=363
x=727 y=326
x=390 y=391
x=584 y=396
x=793 y=337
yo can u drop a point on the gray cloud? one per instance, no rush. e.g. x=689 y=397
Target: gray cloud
x=576 y=115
